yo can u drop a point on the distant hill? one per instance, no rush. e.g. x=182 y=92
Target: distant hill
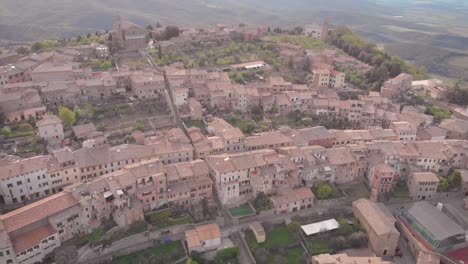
x=56 y=18
x=434 y=35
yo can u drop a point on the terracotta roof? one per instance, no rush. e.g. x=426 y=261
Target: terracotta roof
x=37 y=211
x=83 y=129
x=32 y=237
x=456 y=125
x=424 y=177
x=377 y=215
x=23 y=166
x=48 y=120
x=197 y=236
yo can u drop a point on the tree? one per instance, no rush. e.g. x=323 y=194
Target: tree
x=324 y=191
x=337 y=243
x=443 y=184
x=196 y=256
x=67 y=115
x=294 y=226
x=345 y=228
x=191 y=261
x=455 y=180
x=37 y=46
x=298 y=30
x=149 y=27
x=6 y=131
x=171 y=32
x=2 y=117
x=358 y=240
x=158 y=25
x=22 y=50
x=25 y=127
x=159 y=52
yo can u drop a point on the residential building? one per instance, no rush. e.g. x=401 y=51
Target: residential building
x=310 y=136
x=50 y=128
x=379 y=224
x=422 y=185
x=342 y=162
x=431 y=133
x=240 y=176
x=397 y=85
x=148 y=86
x=405 y=131
x=456 y=128
x=83 y=131
x=464 y=182
x=289 y=200
x=203 y=238
x=11 y=74
x=381 y=178
x=232 y=137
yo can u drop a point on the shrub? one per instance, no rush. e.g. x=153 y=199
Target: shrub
x=25 y=127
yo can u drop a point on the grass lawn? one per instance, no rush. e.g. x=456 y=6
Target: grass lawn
x=318 y=246
x=183 y=219
x=92 y=237
x=157 y=216
x=280 y=236
x=400 y=191
x=290 y=256
x=134 y=229
x=335 y=192
x=304 y=41
x=167 y=253
x=356 y=191
x=241 y=210
x=195 y=123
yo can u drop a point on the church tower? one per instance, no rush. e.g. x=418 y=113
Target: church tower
x=325 y=28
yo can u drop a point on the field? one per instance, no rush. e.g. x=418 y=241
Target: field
x=304 y=41
x=460 y=61
x=166 y=253
x=241 y=211
x=281 y=246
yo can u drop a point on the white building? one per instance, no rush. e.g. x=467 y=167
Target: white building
x=50 y=128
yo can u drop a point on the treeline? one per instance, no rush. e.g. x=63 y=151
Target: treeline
x=458 y=95
x=385 y=65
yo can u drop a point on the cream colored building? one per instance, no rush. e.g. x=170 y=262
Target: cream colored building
x=405 y=131
x=379 y=224
x=50 y=128
x=422 y=185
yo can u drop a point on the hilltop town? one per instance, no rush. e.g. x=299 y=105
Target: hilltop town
x=227 y=144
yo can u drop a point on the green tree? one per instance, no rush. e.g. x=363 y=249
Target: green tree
x=455 y=180
x=67 y=115
x=22 y=50
x=159 y=52
x=6 y=131
x=25 y=127
x=294 y=226
x=191 y=261
x=443 y=184
x=37 y=46
x=345 y=228
x=324 y=191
